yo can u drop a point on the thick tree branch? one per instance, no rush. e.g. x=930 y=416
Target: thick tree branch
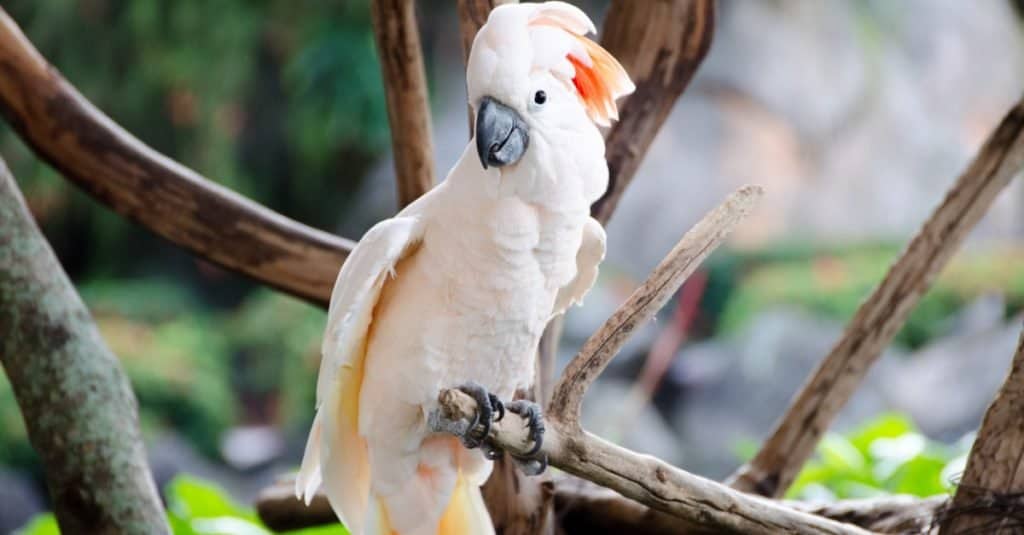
x=645 y=302
x=880 y=317
x=995 y=466
x=77 y=404
x=143 y=185
x=643 y=478
x=405 y=86
x=587 y=508
x=660 y=44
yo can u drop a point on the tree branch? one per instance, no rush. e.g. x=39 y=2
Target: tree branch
x=995 y=466
x=587 y=508
x=645 y=302
x=141 y=184
x=405 y=86
x=643 y=478
x=77 y=404
x=877 y=320
x=660 y=44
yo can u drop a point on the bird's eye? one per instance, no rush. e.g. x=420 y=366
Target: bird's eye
x=540 y=97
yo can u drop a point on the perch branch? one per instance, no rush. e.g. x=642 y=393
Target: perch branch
x=643 y=478
x=660 y=44
x=75 y=400
x=773 y=468
x=995 y=466
x=141 y=184
x=587 y=508
x=645 y=302
x=405 y=87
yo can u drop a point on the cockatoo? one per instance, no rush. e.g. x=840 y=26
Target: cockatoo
x=456 y=289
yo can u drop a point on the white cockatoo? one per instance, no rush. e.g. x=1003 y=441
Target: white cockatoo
x=458 y=287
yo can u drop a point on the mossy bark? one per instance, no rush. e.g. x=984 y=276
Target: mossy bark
x=78 y=406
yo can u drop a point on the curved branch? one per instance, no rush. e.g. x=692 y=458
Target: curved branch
x=643 y=478
x=75 y=399
x=645 y=302
x=878 y=319
x=661 y=45
x=405 y=86
x=587 y=508
x=141 y=184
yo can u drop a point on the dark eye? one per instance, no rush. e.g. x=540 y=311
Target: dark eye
x=540 y=97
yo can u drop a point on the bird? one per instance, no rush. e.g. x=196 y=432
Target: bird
x=456 y=289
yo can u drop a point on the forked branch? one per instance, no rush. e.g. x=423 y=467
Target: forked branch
x=646 y=301
x=175 y=202
x=405 y=86
x=879 y=318
x=645 y=479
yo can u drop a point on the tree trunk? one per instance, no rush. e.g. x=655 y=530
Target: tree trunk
x=77 y=404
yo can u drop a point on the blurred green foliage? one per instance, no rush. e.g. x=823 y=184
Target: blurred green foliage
x=279 y=101
x=885 y=456
x=196 y=370
x=834 y=282
x=196 y=507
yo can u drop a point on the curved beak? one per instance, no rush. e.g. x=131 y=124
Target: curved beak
x=501 y=134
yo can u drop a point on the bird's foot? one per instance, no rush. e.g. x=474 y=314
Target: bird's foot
x=534 y=462
x=490 y=409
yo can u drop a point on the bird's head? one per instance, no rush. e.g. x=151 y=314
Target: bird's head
x=539 y=87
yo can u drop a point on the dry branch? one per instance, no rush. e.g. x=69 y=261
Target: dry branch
x=75 y=400
x=660 y=44
x=405 y=86
x=141 y=184
x=879 y=318
x=645 y=302
x=643 y=478
x=587 y=508
x=995 y=466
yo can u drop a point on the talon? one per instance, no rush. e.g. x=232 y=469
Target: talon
x=532 y=466
x=487 y=404
x=534 y=420
x=498 y=407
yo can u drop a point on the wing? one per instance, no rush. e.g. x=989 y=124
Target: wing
x=335 y=447
x=589 y=256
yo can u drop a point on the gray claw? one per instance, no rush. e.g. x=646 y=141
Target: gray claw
x=487 y=405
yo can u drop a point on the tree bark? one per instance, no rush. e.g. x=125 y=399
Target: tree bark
x=661 y=44
x=987 y=498
x=174 y=202
x=77 y=404
x=585 y=508
x=405 y=86
x=878 y=319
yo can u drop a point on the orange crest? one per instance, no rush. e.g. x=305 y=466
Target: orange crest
x=599 y=78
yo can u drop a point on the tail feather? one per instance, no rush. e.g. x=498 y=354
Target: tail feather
x=309 y=478
x=466 y=513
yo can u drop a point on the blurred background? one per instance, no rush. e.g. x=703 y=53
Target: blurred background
x=854 y=115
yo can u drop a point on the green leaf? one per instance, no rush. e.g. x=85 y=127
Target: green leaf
x=888 y=425
x=45 y=524
x=190 y=498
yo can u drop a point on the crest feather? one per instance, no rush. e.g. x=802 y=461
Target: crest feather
x=599 y=78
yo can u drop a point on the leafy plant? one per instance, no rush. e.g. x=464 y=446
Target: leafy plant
x=885 y=456
x=197 y=507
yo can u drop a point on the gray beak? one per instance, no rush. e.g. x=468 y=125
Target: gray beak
x=501 y=134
